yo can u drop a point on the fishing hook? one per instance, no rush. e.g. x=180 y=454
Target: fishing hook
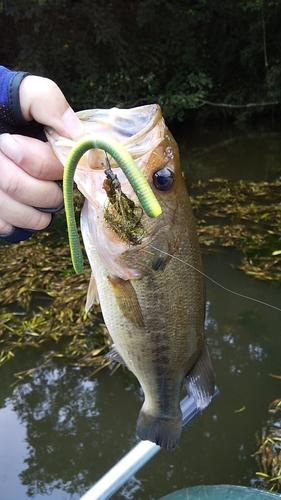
x=134 y=175
x=110 y=175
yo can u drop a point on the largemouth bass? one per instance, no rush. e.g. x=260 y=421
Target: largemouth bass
x=153 y=304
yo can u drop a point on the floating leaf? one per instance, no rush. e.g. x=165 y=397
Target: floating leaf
x=43 y=303
x=252 y=215
x=43 y=300
x=243 y=408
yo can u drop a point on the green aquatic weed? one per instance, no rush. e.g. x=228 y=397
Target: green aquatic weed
x=121 y=213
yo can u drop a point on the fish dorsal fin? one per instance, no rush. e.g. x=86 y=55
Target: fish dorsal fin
x=114 y=355
x=127 y=300
x=92 y=294
x=200 y=381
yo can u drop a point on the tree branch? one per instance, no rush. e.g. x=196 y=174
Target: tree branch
x=249 y=105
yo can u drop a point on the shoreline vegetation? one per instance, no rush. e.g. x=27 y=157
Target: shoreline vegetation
x=130 y=53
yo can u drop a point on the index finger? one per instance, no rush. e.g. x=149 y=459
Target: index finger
x=42 y=100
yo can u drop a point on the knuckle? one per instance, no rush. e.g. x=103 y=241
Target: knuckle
x=58 y=198
x=13 y=187
x=5 y=228
x=10 y=182
x=38 y=220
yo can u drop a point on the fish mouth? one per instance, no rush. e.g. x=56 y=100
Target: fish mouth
x=140 y=130
x=134 y=128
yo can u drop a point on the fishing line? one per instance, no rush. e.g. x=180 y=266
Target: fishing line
x=216 y=282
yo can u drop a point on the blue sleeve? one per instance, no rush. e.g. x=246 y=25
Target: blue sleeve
x=11 y=118
x=13 y=122
x=5 y=78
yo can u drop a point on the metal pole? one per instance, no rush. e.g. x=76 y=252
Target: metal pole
x=136 y=458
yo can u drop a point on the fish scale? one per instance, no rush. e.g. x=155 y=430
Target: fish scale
x=153 y=306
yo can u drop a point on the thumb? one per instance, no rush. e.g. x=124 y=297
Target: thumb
x=42 y=100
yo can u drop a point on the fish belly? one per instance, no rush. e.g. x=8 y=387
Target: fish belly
x=156 y=341
x=157 y=326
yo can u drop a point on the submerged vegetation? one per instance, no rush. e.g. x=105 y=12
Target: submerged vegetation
x=268 y=455
x=42 y=299
x=245 y=215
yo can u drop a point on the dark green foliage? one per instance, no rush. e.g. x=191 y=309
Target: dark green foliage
x=131 y=52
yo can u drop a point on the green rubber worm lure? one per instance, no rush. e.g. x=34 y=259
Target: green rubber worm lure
x=134 y=175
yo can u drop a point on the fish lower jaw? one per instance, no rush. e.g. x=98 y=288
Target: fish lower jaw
x=163 y=431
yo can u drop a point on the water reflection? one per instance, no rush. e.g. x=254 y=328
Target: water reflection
x=231 y=153
x=75 y=427
x=13 y=450
x=52 y=406
x=63 y=429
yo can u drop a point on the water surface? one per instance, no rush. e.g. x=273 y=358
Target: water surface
x=63 y=429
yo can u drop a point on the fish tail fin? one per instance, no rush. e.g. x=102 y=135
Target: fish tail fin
x=162 y=431
x=200 y=381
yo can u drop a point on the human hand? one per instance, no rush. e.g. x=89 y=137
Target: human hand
x=28 y=166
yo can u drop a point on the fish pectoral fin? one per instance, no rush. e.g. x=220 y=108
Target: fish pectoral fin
x=92 y=294
x=200 y=381
x=114 y=355
x=127 y=300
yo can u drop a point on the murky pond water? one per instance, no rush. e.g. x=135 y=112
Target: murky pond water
x=63 y=429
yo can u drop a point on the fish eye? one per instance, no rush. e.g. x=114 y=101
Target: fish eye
x=163 y=179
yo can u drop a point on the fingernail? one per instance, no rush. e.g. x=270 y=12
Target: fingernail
x=11 y=148
x=72 y=124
